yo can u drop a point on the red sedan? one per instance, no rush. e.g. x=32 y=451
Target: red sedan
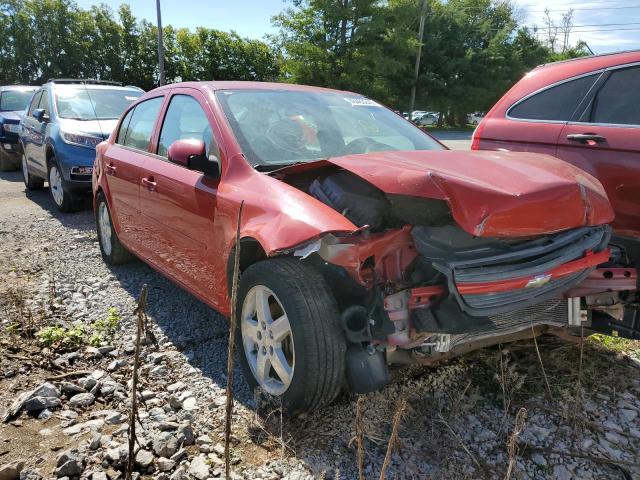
x=365 y=242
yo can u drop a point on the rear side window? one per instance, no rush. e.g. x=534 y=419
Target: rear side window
x=140 y=125
x=556 y=103
x=122 y=133
x=185 y=119
x=618 y=101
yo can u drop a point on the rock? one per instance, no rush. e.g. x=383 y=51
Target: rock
x=115 y=418
x=190 y=403
x=45 y=414
x=174 y=387
x=628 y=414
x=46 y=390
x=70 y=389
x=82 y=400
x=99 y=476
x=199 y=468
x=179 y=474
x=69 y=464
x=560 y=472
x=144 y=458
x=37 y=404
x=185 y=435
x=218 y=448
x=165 y=444
x=94 y=444
x=165 y=464
x=31 y=474
x=11 y=471
x=538 y=459
x=116 y=365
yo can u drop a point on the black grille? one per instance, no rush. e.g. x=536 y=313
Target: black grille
x=555 y=312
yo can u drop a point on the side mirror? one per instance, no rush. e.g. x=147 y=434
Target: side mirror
x=191 y=153
x=40 y=115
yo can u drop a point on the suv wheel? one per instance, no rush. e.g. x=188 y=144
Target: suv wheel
x=60 y=196
x=113 y=252
x=30 y=182
x=291 y=342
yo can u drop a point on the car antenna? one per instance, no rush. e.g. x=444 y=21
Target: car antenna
x=94 y=109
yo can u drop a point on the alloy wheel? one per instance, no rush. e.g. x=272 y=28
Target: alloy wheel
x=267 y=340
x=55 y=185
x=104 y=224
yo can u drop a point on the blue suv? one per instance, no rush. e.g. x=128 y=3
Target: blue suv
x=65 y=121
x=13 y=101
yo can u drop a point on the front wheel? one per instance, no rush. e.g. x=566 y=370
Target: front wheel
x=290 y=340
x=61 y=196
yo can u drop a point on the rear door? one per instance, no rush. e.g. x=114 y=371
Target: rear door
x=178 y=204
x=605 y=141
x=123 y=162
x=535 y=123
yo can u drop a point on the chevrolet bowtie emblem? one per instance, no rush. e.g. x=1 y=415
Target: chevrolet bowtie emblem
x=538 y=281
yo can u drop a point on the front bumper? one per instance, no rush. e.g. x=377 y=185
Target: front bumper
x=502 y=278
x=76 y=164
x=10 y=148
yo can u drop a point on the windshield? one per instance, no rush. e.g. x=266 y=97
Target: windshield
x=14 y=100
x=80 y=103
x=284 y=127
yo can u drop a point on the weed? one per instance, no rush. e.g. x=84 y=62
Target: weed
x=104 y=328
x=60 y=337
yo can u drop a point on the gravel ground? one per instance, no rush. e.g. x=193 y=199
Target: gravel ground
x=459 y=418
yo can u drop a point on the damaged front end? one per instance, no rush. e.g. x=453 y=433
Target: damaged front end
x=413 y=285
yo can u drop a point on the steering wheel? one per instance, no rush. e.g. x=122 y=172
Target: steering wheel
x=365 y=145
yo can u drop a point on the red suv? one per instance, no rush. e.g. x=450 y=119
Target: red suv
x=585 y=111
x=364 y=241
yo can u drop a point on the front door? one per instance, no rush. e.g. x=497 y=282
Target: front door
x=178 y=204
x=606 y=143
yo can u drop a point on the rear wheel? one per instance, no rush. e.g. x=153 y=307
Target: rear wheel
x=62 y=197
x=290 y=340
x=113 y=252
x=30 y=182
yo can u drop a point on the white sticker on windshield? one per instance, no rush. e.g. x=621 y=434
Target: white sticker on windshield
x=361 y=102
x=130 y=98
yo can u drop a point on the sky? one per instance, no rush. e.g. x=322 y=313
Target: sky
x=598 y=22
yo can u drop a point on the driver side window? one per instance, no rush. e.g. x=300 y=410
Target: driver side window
x=185 y=119
x=34 y=103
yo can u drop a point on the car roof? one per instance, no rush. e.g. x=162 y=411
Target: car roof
x=581 y=65
x=249 y=85
x=5 y=88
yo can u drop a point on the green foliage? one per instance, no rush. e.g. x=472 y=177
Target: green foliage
x=41 y=39
x=105 y=328
x=60 y=337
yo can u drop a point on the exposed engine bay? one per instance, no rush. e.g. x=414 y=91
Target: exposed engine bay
x=413 y=285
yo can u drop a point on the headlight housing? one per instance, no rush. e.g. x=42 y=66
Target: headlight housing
x=12 y=127
x=81 y=139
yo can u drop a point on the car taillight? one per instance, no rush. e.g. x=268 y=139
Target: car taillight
x=477 y=133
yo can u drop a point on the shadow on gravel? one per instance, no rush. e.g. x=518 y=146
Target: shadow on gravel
x=11 y=176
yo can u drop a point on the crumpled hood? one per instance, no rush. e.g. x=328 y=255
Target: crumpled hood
x=98 y=128
x=490 y=194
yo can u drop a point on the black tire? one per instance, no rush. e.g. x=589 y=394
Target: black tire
x=117 y=254
x=318 y=339
x=67 y=203
x=30 y=182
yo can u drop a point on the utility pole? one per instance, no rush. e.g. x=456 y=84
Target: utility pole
x=416 y=70
x=160 y=45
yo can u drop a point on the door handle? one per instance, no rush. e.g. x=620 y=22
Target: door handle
x=149 y=183
x=587 y=138
x=110 y=169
